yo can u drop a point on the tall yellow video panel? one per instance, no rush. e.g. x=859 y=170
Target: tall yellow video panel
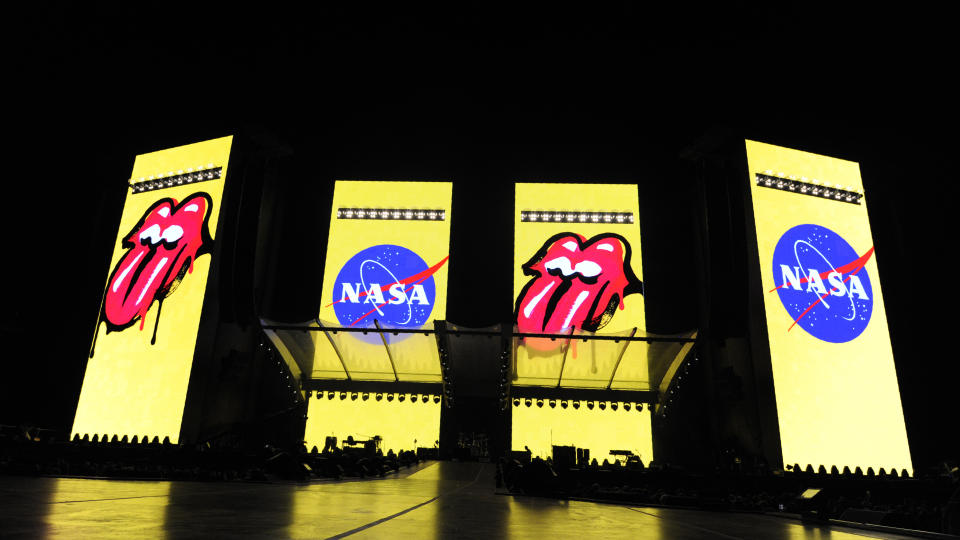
x=143 y=347
x=837 y=398
x=386 y=267
x=577 y=270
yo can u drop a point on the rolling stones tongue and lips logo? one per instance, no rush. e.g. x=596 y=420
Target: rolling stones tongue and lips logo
x=577 y=283
x=161 y=250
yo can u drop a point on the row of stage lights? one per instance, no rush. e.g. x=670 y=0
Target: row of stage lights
x=805 y=186
x=178 y=178
x=576 y=404
x=406 y=214
x=504 y=388
x=106 y=439
x=858 y=472
x=283 y=371
x=574 y=216
x=378 y=396
x=445 y=378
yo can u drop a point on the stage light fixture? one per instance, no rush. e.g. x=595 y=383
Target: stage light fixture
x=353 y=396
x=613 y=405
x=413 y=398
x=528 y=402
x=575 y=216
x=590 y=405
x=516 y=402
x=343 y=395
x=379 y=396
x=425 y=398
x=626 y=406
x=603 y=405
x=576 y=404
x=401 y=397
x=389 y=397
x=811 y=187
x=150 y=183
x=436 y=399
x=563 y=404
x=365 y=396
x=331 y=395
x=540 y=403
x=553 y=403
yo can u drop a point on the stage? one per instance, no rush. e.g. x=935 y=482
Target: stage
x=430 y=500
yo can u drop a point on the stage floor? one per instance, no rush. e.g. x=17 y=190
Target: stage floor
x=434 y=500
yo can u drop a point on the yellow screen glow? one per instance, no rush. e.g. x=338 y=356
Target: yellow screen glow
x=391 y=272
x=580 y=276
x=837 y=397
x=577 y=269
x=403 y=425
x=540 y=428
x=137 y=375
x=386 y=267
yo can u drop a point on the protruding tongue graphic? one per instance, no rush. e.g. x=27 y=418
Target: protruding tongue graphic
x=579 y=284
x=166 y=240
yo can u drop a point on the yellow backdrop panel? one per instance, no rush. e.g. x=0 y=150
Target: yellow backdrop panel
x=838 y=402
x=539 y=362
x=132 y=387
x=601 y=431
x=365 y=356
x=402 y=425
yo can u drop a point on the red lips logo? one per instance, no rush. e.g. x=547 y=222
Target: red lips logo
x=577 y=283
x=161 y=250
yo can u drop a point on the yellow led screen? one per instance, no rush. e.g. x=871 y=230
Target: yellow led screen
x=401 y=425
x=387 y=267
x=577 y=270
x=600 y=430
x=837 y=397
x=140 y=360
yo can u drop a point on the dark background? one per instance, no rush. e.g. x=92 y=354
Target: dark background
x=482 y=95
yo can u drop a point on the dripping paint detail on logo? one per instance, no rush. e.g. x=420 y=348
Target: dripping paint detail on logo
x=160 y=252
x=576 y=283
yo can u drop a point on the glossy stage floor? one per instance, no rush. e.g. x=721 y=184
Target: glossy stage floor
x=433 y=500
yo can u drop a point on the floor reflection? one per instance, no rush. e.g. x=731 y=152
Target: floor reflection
x=205 y=510
x=433 y=500
x=334 y=508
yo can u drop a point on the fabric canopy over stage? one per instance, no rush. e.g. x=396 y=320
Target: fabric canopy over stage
x=630 y=360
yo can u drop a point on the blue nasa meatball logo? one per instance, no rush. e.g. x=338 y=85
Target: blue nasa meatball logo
x=822 y=283
x=387 y=283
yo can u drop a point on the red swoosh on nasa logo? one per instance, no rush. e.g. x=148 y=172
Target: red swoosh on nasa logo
x=851 y=267
x=861 y=261
x=412 y=280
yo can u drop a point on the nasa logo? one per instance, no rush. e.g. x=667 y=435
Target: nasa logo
x=822 y=283
x=387 y=283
